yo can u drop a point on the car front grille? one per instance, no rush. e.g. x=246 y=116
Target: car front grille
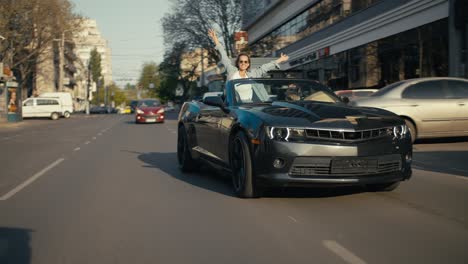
x=345 y=166
x=336 y=135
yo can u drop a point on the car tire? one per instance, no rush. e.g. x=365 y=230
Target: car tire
x=412 y=129
x=383 y=187
x=243 y=178
x=66 y=114
x=184 y=157
x=54 y=116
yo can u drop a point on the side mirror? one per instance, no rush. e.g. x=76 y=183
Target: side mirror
x=345 y=99
x=214 y=101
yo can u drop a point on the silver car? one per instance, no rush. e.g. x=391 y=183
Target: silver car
x=431 y=107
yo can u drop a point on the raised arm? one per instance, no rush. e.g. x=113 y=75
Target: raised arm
x=230 y=68
x=262 y=70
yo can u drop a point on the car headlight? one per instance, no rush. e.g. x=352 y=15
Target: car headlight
x=139 y=111
x=285 y=133
x=160 y=111
x=400 y=131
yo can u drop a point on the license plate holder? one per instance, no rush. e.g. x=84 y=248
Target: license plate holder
x=151 y=120
x=353 y=165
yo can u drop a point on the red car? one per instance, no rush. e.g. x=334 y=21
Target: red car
x=149 y=111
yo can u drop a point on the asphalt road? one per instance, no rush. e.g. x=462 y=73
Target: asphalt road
x=101 y=189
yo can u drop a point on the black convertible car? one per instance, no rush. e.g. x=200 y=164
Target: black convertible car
x=270 y=132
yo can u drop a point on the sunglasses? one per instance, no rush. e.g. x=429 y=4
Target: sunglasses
x=246 y=62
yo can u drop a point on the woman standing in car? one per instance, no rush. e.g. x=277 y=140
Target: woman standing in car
x=242 y=67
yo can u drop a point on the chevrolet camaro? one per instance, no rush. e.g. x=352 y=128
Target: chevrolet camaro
x=285 y=132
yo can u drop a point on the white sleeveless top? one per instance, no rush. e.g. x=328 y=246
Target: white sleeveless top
x=236 y=75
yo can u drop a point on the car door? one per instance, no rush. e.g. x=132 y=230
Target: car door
x=458 y=90
x=430 y=107
x=29 y=108
x=206 y=126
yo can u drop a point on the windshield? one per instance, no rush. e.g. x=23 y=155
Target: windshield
x=149 y=103
x=264 y=91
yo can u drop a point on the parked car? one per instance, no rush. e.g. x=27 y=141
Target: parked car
x=431 y=107
x=265 y=139
x=149 y=111
x=102 y=109
x=43 y=107
x=133 y=105
x=354 y=94
x=66 y=101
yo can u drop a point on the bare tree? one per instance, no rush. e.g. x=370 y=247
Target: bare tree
x=30 y=27
x=190 y=20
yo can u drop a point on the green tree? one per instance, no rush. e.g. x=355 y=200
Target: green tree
x=149 y=80
x=96 y=75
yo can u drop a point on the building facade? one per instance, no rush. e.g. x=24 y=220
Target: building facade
x=90 y=38
x=348 y=44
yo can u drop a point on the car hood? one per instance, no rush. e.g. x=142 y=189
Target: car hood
x=153 y=109
x=323 y=115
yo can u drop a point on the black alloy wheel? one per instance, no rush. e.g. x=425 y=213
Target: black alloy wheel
x=241 y=165
x=184 y=157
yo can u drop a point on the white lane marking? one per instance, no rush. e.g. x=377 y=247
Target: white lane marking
x=76 y=149
x=87 y=142
x=99 y=134
x=173 y=132
x=94 y=138
x=342 y=252
x=292 y=218
x=30 y=180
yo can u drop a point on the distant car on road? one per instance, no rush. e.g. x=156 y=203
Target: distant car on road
x=265 y=137
x=66 y=101
x=133 y=105
x=431 y=107
x=43 y=107
x=149 y=111
x=99 y=110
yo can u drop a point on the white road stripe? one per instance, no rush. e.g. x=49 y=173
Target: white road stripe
x=99 y=134
x=292 y=218
x=30 y=180
x=76 y=149
x=94 y=138
x=87 y=142
x=342 y=252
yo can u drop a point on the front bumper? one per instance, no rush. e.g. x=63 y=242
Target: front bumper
x=333 y=164
x=140 y=118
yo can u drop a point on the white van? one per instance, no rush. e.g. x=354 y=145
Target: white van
x=43 y=107
x=65 y=99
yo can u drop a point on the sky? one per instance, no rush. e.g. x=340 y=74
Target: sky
x=133 y=29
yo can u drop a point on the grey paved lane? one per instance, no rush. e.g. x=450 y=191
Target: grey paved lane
x=118 y=197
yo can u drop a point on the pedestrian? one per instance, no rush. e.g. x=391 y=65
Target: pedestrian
x=242 y=67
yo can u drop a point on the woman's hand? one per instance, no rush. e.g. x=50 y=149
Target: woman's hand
x=282 y=58
x=213 y=36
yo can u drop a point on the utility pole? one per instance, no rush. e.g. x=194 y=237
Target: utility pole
x=88 y=87
x=61 y=61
